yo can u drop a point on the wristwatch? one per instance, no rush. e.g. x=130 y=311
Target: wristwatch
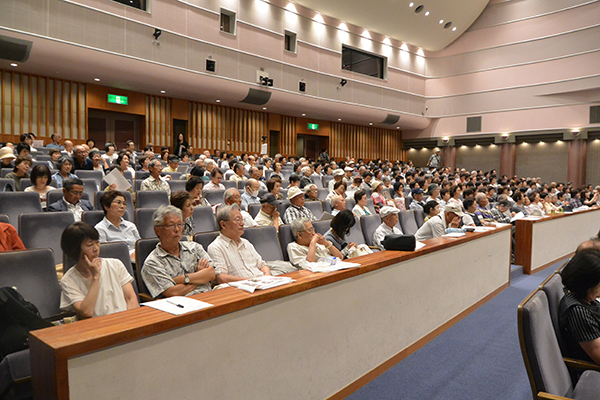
x=186 y=280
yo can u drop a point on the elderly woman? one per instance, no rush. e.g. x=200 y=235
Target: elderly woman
x=20 y=171
x=277 y=167
x=579 y=310
x=274 y=187
x=94 y=286
x=97 y=161
x=64 y=165
x=339 y=189
x=535 y=209
x=40 y=177
x=360 y=209
x=194 y=187
x=123 y=161
x=183 y=200
x=113 y=228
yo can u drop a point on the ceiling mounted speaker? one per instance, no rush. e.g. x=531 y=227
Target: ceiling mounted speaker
x=257 y=97
x=14 y=49
x=391 y=119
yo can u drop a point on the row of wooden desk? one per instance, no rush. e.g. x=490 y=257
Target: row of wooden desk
x=322 y=336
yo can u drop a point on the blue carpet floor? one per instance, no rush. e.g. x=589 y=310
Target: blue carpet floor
x=477 y=358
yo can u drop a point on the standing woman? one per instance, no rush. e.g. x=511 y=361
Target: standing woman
x=40 y=177
x=20 y=171
x=65 y=166
x=181 y=146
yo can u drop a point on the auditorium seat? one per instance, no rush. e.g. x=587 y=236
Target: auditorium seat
x=326 y=179
x=176 y=185
x=282 y=207
x=316 y=207
x=143 y=222
x=204 y=219
x=419 y=217
x=15 y=203
x=407 y=222
x=355 y=235
x=95 y=175
x=143 y=248
x=141 y=175
x=553 y=287
x=253 y=209
x=25 y=183
x=52 y=196
x=205 y=238
x=90 y=186
x=44 y=229
x=321 y=226
x=285 y=183
x=229 y=184
x=174 y=175
x=265 y=241
x=214 y=196
x=327 y=206
x=5 y=183
x=350 y=203
x=128 y=199
x=369 y=224
x=4 y=172
x=4 y=218
x=371 y=206
x=93 y=217
x=152 y=199
x=322 y=194
x=317 y=181
x=285 y=237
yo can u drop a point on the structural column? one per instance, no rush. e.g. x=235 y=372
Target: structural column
x=449 y=156
x=508 y=157
x=577 y=162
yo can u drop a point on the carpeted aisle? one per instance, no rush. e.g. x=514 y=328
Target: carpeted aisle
x=478 y=358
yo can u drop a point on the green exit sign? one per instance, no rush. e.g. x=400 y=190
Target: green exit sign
x=313 y=127
x=113 y=98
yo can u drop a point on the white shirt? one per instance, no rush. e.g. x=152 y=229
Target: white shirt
x=381 y=232
x=236 y=259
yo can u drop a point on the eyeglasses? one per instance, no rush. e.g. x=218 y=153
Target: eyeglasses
x=76 y=193
x=172 y=226
x=238 y=220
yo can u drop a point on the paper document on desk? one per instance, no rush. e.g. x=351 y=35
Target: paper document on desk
x=118 y=179
x=419 y=245
x=517 y=216
x=325 y=266
x=177 y=305
x=454 y=234
x=484 y=228
x=261 y=282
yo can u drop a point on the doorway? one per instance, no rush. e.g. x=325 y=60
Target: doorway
x=106 y=126
x=310 y=146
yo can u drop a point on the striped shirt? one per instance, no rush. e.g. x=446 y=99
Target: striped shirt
x=579 y=322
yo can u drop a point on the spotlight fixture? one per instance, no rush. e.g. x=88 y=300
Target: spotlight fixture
x=302 y=86
x=211 y=65
x=265 y=81
x=156 y=34
x=14 y=65
x=343 y=82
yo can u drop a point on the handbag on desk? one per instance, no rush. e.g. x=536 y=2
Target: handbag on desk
x=399 y=242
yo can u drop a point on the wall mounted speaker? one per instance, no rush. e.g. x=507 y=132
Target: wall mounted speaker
x=14 y=49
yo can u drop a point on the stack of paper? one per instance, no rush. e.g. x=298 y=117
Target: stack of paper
x=261 y=282
x=177 y=304
x=322 y=266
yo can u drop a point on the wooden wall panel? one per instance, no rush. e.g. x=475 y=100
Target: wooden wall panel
x=288 y=138
x=225 y=128
x=159 y=125
x=30 y=103
x=364 y=142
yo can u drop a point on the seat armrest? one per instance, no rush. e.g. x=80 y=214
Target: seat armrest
x=544 y=395
x=144 y=297
x=581 y=365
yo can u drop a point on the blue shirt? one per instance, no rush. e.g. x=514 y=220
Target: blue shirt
x=126 y=232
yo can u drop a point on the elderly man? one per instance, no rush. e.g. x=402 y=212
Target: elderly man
x=81 y=160
x=348 y=179
x=296 y=208
x=268 y=214
x=251 y=163
x=417 y=203
x=305 y=179
x=71 y=201
x=435 y=160
x=56 y=138
x=484 y=215
x=175 y=268
x=501 y=212
x=250 y=195
x=338 y=203
x=172 y=164
x=311 y=192
x=257 y=173
x=338 y=175
x=154 y=182
x=235 y=258
x=232 y=196
x=68 y=148
x=238 y=173
x=309 y=246
x=445 y=222
x=389 y=220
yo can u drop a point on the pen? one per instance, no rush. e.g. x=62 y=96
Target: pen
x=175 y=304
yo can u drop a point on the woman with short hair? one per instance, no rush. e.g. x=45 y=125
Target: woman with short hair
x=113 y=227
x=360 y=209
x=20 y=171
x=64 y=165
x=40 y=177
x=182 y=200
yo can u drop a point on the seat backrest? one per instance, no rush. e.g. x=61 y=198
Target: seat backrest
x=419 y=217
x=174 y=175
x=25 y=183
x=229 y=184
x=4 y=172
x=322 y=194
x=553 y=287
x=369 y=224
x=33 y=273
x=371 y=206
x=407 y=201
x=543 y=360
x=285 y=237
x=15 y=203
x=356 y=234
x=316 y=207
x=325 y=179
x=253 y=209
x=44 y=229
x=4 y=218
x=350 y=203
x=128 y=200
x=92 y=217
x=141 y=175
x=214 y=196
x=52 y=196
x=205 y=238
x=6 y=181
x=265 y=241
x=176 y=185
x=143 y=248
x=408 y=222
x=97 y=176
x=285 y=184
x=204 y=219
x=143 y=222
x=152 y=199
x=90 y=186
x=321 y=226
x=281 y=207
x=327 y=206
x=317 y=181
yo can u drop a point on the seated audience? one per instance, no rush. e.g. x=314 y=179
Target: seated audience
x=311 y=192
x=9 y=238
x=250 y=195
x=519 y=205
x=274 y=187
x=40 y=177
x=484 y=215
x=470 y=218
x=339 y=229
x=446 y=221
x=389 y=222
x=297 y=208
x=183 y=201
x=81 y=160
x=339 y=189
x=175 y=268
x=71 y=201
x=172 y=164
x=535 y=207
x=235 y=258
x=94 y=286
x=64 y=165
x=110 y=156
x=124 y=161
x=113 y=228
x=338 y=203
x=361 y=208
x=194 y=186
x=379 y=200
x=7 y=157
x=154 y=182
x=294 y=181
x=431 y=209
x=216 y=176
x=338 y=176
x=232 y=196
x=354 y=187
x=417 y=203
x=501 y=212
x=399 y=200
x=309 y=246
x=98 y=163
x=239 y=172
x=56 y=138
x=268 y=214
x=444 y=198
x=579 y=309
x=20 y=171
x=575 y=201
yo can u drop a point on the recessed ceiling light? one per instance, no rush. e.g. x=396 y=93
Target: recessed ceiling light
x=426 y=13
x=163 y=91
x=264 y=108
x=370 y=123
x=304 y=115
x=218 y=101
x=291 y=7
x=319 y=18
x=97 y=79
x=453 y=29
x=14 y=65
x=411 y=4
x=397 y=127
x=339 y=119
x=343 y=26
x=387 y=41
x=441 y=21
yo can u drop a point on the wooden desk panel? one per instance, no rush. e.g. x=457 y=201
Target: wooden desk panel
x=309 y=339
x=543 y=242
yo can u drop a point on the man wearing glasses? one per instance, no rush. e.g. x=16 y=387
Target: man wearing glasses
x=175 y=268
x=71 y=201
x=235 y=258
